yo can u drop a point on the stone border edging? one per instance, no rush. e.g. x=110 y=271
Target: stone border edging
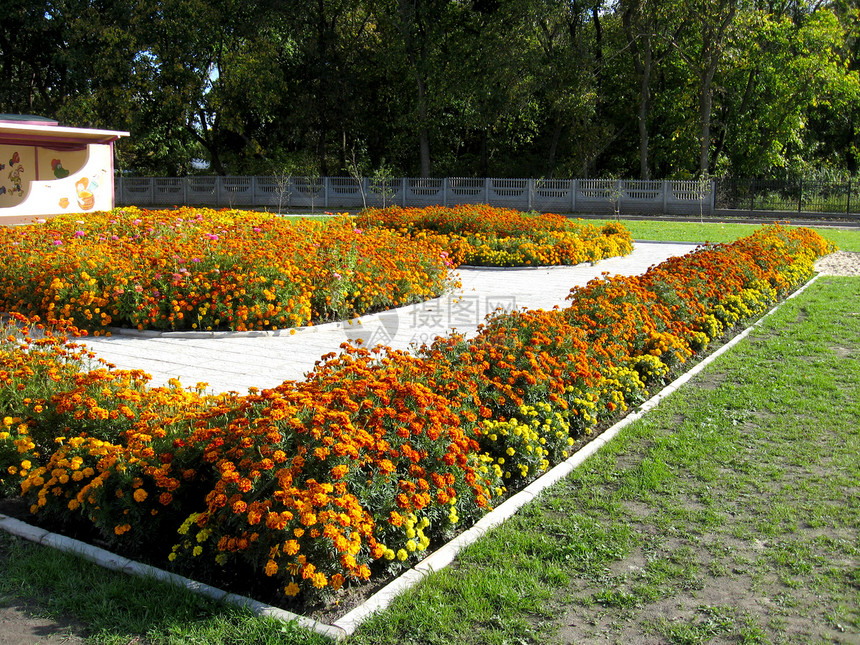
x=347 y=624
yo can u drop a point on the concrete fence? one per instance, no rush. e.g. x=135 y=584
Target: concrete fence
x=598 y=196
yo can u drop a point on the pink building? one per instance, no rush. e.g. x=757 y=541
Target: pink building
x=46 y=169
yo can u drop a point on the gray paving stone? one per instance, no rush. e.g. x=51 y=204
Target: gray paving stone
x=239 y=361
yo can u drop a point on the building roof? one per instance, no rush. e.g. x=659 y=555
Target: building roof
x=30 y=130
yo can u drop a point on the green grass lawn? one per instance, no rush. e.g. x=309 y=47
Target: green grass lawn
x=728 y=514
x=847 y=238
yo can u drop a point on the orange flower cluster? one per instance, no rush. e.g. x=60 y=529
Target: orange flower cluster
x=379 y=454
x=484 y=235
x=205 y=270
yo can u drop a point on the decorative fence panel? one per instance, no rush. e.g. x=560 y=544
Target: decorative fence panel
x=722 y=197
x=798 y=196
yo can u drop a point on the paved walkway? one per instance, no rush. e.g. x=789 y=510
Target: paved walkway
x=235 y=361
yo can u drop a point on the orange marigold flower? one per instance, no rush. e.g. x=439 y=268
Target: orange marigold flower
x=339 y=471
x=291 y=589
x=140 y=495
x=271 y=568
x=308 y=570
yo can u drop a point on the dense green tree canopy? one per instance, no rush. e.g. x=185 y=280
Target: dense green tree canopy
x=541 y=88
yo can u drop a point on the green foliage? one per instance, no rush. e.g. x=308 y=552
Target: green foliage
x=538 y=88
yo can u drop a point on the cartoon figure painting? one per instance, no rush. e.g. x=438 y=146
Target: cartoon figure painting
x=84 y=188
x=59 y=171
x=15 y=178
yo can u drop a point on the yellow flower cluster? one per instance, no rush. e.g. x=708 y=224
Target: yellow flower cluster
x=488 y=236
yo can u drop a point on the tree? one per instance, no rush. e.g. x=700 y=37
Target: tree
x=702 y=47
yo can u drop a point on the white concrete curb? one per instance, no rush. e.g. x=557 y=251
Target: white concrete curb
x=439 y=559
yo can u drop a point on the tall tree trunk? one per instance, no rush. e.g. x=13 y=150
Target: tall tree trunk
x=644 y=112
x=485 y=161
x=706 y=101
x=553 y=147
x=643 y=63
x=423 y=130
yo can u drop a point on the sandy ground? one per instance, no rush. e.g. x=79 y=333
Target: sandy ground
x=18 y=626
x=845 y=263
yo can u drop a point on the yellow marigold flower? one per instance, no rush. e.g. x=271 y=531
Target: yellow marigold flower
x=319 y=580
x=402 y=555
x=271 y=568
x=291 y=589
x=197 y=551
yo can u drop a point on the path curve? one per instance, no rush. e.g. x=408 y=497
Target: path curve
x=235 y=362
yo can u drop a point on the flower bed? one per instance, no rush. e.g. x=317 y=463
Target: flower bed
x=204 y=270
x=379 y=455
x=488 y=236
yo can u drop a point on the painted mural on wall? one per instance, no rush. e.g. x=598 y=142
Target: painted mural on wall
x=16 y=170
x=83 y=187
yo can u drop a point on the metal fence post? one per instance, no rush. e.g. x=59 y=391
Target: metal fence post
x=574 y=185
x=712 y=202
x=800 y=195
x=531 y=189
x=752 y=196
x=445 y=192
